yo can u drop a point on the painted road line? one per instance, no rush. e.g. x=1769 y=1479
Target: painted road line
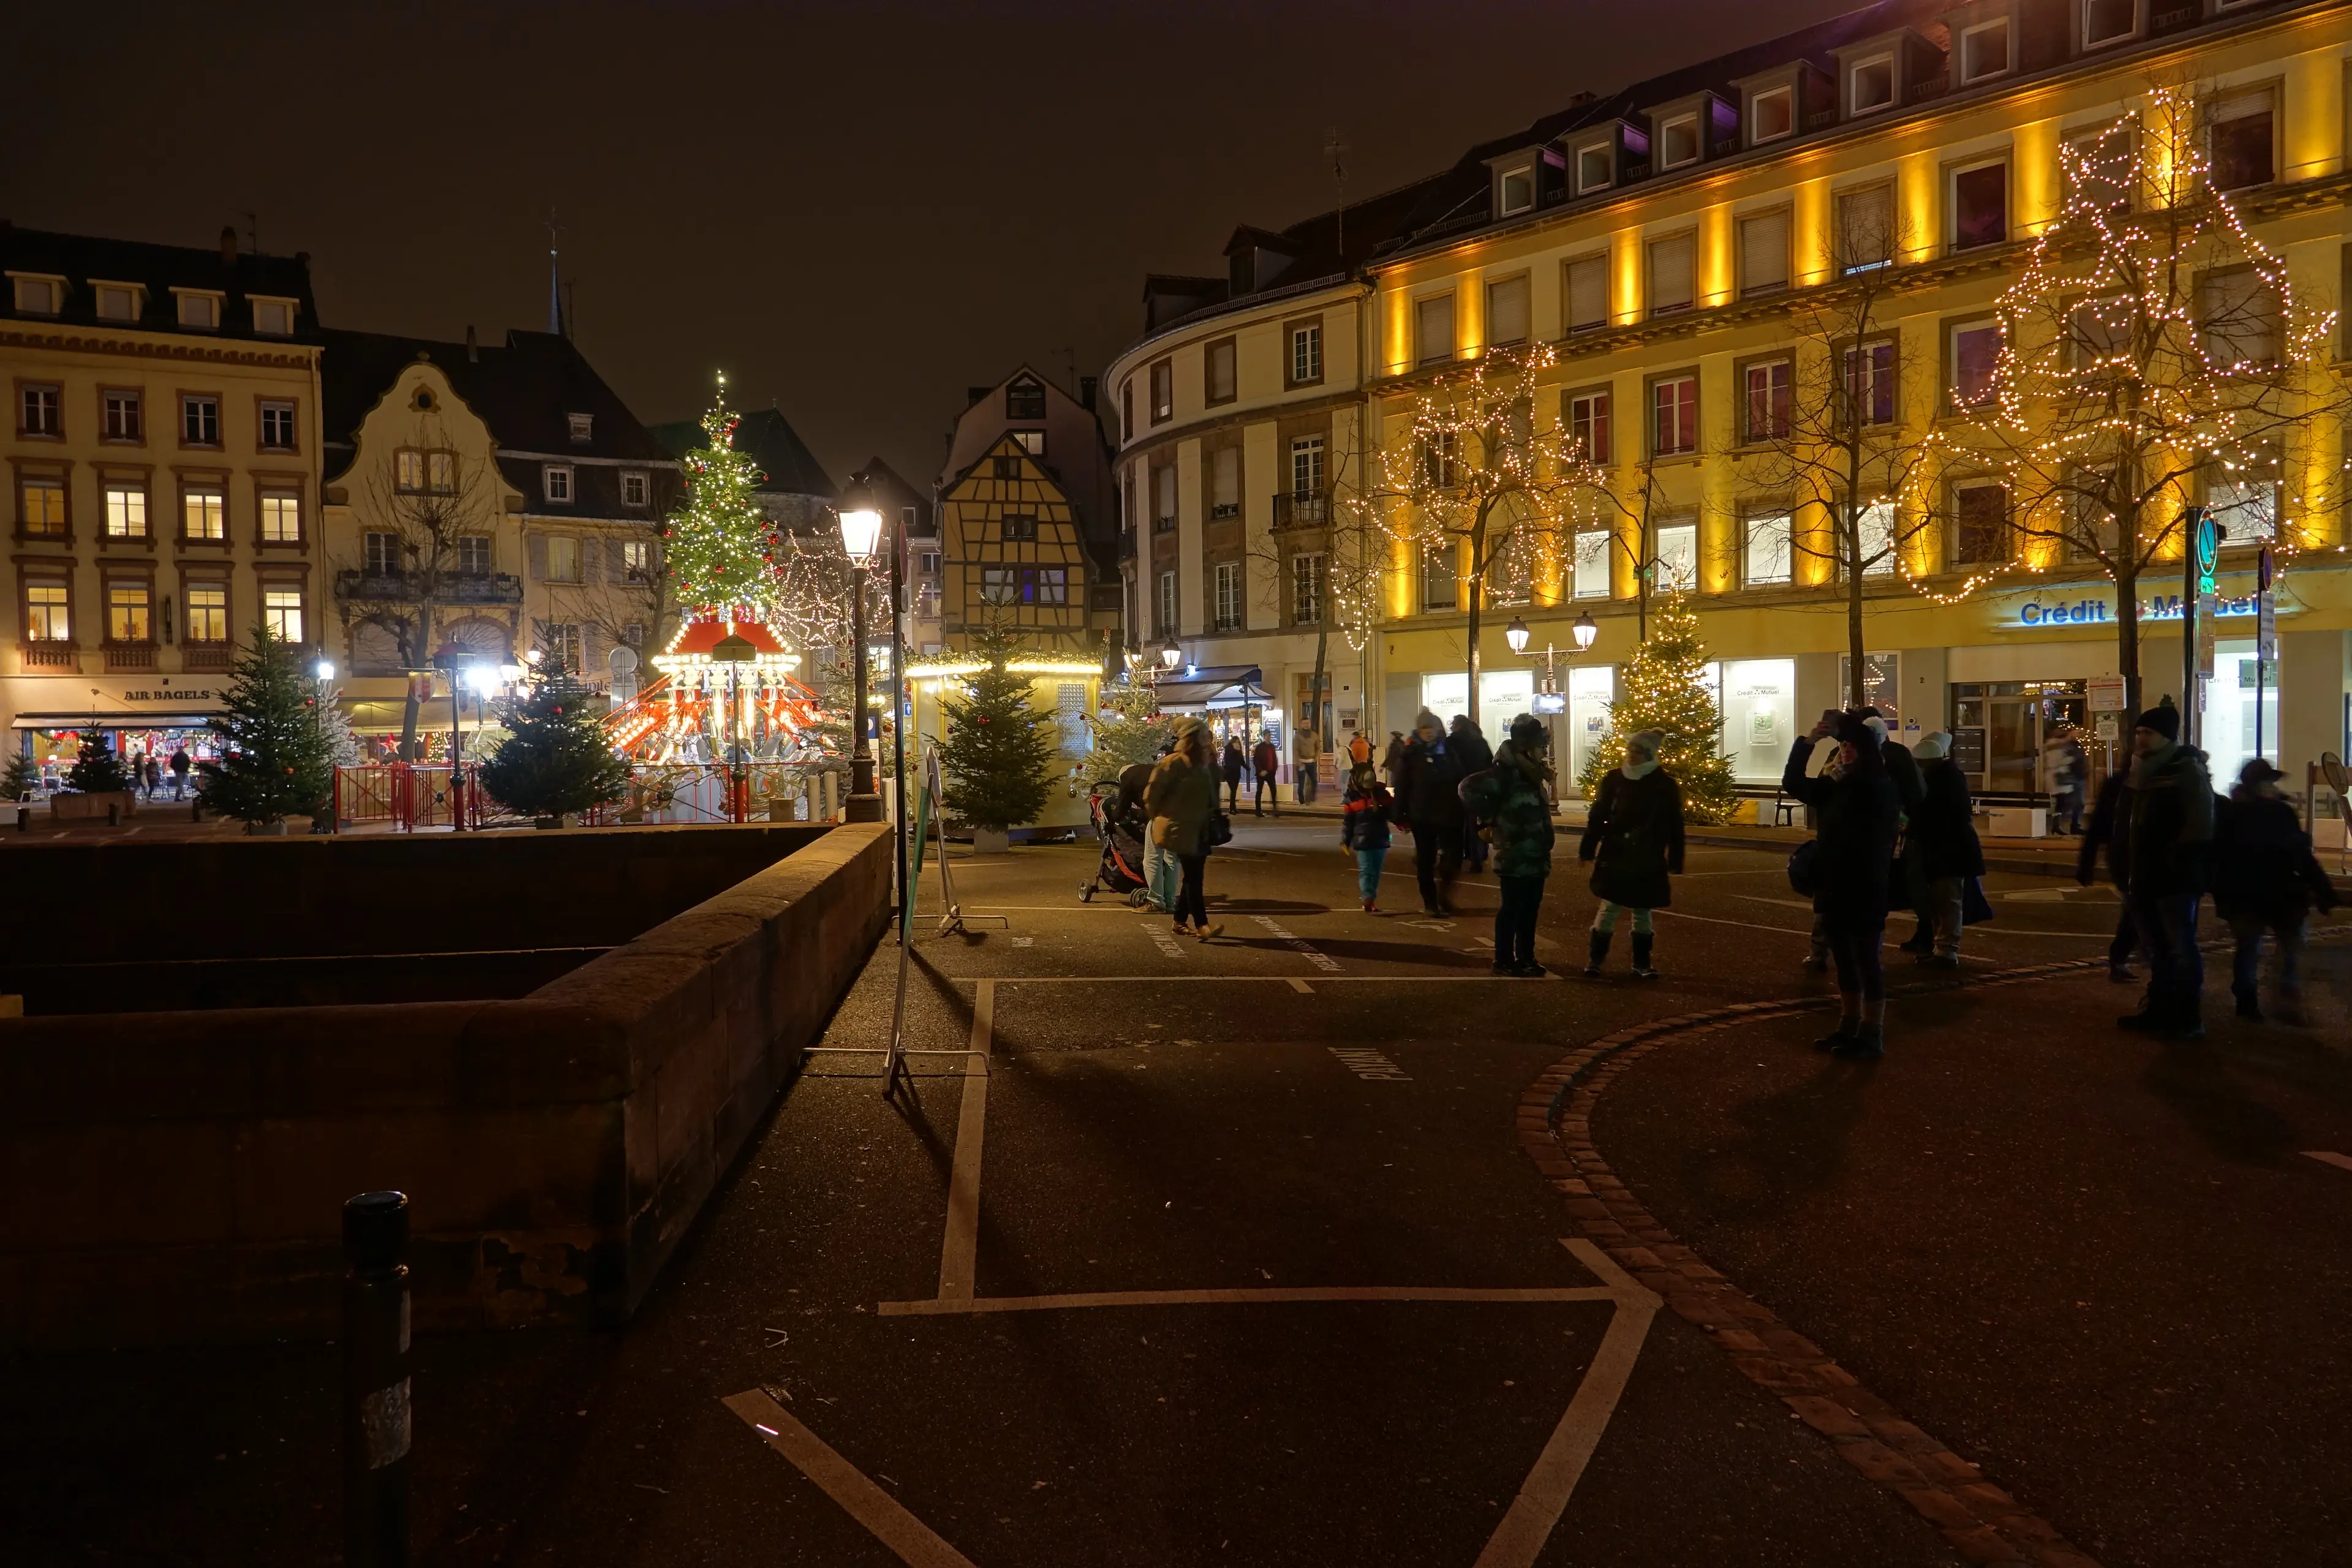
x=1744 y=925
x=1163 y=939
x=909 y=1537
x=1248 y=1297
x=1301 y=986
x=1370 y=1066
x=1543 y=1497
x=2325 y=1157
x=959 y=1249
x=1323 y=962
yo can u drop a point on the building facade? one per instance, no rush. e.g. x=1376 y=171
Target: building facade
x=1661 y=244
x=164 y=462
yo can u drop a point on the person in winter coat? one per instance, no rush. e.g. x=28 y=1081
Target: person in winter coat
x=1511 y=797
x=1469 y=744
x=1392 y=760
x=1940 y=851
x=1633 y=836
x=1360 y=750
x=1855 y=807
x=1180 y=798
x=1902 y=767
x=1428 y=792
x=2163 y=836
x=2101 y=830
x=1267 y=764
x=2265 y=878
x=1233 y=763
x=1364 y=829
x=180 y=765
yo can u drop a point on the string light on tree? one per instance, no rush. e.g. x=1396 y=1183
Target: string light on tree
x=1663 y=686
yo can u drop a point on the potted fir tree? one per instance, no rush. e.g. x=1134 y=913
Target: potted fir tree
x=557 y=761
x=276 y=759
x=97 y=784
x=995 y=759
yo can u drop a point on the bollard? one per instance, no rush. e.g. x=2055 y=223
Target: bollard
x=375 y=1382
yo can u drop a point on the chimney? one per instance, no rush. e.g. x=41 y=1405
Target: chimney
x=975 y=394
x=473 y=349
x=1086 y=385
x=229 y=246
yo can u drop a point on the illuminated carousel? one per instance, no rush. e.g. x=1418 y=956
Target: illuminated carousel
x=726 y=694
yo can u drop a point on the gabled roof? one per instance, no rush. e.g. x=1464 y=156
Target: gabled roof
x=769 y=440
x=893 y=491
x=80 y=258
x=525 y=391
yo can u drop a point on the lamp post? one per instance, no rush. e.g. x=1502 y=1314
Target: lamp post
x=861 y=532
x=324 y=670
x=734 y=651
x=1583 y=631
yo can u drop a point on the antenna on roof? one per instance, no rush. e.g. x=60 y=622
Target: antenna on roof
x=1337 y=150
x=554 y=278
x=253 y=232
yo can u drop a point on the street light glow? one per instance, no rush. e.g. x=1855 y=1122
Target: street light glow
x=325 y=670
x=861 y=533
x=1515 y=634
x=1585 y=631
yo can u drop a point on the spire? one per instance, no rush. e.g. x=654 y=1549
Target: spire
x=554 y=280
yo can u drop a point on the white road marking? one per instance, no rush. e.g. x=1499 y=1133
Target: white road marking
x=1301 y=986
x=960 y=1245
x=1249 y=1296
x=1025 y=941
x=2341 y=1162
x=1785 y=903
x=1323 y=962
x=1163 y=939
x=1370 y=1066
x=909 y=1537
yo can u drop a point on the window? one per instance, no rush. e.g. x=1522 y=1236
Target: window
x=1866 y=228
x=122 y=421
x=1980 y=534
x=632 y=633
x=1005 y=467
x=1984 y=51
x=1870 y=382
x=1974 y=358
x=562 y=558
x=581 y=426
x=1516 y=191
x=1670 y=275
x=1440 y=460
x=1167 y=603
x=1772 y=115
x=1000 y=584
x=2237 y=317
x=1229 y=596
x=1126 y=409
x=39 y=296
x=207 y=612
x=282 y=612
x=2096 y=167
x=1980 y=206
x=281 y=518
x=1439 y=574
x=1870 y=84
x=637 y=560
x=1767 y=411
x=126 y=509
x=555 y=479
x=2242 y=143
x=633 y=489
x=200 y=421
x=1673 y=425
x=127 y=611
x=1592 y=579
x=1025 y=399
x=1596 y=166
x=273 y=318
x=41 y=499
x=1224 y=483
x=117 y=302
x=1588 y=293
x=1874 y=539
x=1163 y=511
x=1163 y=392
x=1506 y=311
x=1766 y=559
x=1018 y=528
x=407 y=469
x=1306 y=468
x=1044 y=586
x=1677 y=568
x=2109 y=22
x=380 y=554
x=927 y=564
x=2244 y=509
x=1433 y=323
x=1032 y=441
x=1219 y=371
x=204 y=512
x=1678 y=141
x=201 y=311
x=1764 y=253
x=2100 y=329
x=45 y=617
x=1588 y=424
x=38 y=411
x=563 y=646
x=1309 y=585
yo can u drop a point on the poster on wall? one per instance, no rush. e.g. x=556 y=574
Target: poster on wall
x=1882 y=684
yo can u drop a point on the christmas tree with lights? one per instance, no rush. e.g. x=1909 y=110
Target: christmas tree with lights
x=1663 y=686
x=558 y=759
x=720 y=546
x=1130 y=730
x=995 y=759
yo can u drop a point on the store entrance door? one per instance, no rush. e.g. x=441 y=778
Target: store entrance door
x=1999 y=728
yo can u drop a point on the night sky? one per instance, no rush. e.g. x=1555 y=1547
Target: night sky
x=857 y=210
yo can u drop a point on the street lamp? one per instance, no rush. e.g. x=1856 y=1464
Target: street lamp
x=1584 y=631
x=1515 y=634
x=1171 y=653
x=861 y=533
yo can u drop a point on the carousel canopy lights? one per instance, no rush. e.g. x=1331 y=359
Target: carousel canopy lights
x=699 y=645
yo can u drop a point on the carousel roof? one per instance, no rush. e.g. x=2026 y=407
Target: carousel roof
x=696 y=639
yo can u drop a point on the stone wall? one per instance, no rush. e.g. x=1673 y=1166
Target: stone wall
x=180 y=1176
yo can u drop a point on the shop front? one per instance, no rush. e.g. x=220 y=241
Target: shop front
x=158 y=718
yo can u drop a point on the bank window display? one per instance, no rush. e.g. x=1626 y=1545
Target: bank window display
x=1760 y=716
x=1678 y=558
x=2231 y=707
x=1503 y=694
x=204 y=512
x=127 y=611
x=126 y=509
x=1592 y=564
x=1590 y=690
x=282 y=612
x=1765 y=558
x=207 y=612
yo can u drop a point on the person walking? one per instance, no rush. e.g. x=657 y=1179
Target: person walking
x=1364 y=829
x=1360 y=750
x=1469 y=744
x=2265 y=881
x=1855 y=804
x=1511 y=796
x=1941 y=852
x=1180 y=798
x=2163 y=835
x=2101 y=831
x=1429 y=793
x=153 y=778
x=1633 y=836
x=1392 y=760
x=180 y=765
x=1234 y=764
x=1267 y=763
x=1302 y=770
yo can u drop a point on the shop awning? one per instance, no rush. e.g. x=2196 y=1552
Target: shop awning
x=104 y=720
x=1214 y=686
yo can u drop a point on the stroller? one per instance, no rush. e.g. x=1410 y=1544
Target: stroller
x=1118 y=812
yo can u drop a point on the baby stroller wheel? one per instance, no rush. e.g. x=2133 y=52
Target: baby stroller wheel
x=1085 y=892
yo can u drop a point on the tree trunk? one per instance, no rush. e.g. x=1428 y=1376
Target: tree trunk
x=1478 y=604
x=2128 y=638
x=1641 y=567
x=1857 y=674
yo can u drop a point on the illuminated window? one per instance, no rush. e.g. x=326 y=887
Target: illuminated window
x=441 y=472
x=126 y=510
x=1044 y=586
x=281 y=518
x=45 y=618
x=1591 y=572
x=562 y=558
x=281 y=613
x=1874 y=539
x=998 y=584
x=1767 y=411
x=207 y=613
x=43 y=506
x=408 y=471
x=1677 y=568
x=204 y=512
x=127 y=610
x=1765 y=556
x=637 y=560
x=1588 y=424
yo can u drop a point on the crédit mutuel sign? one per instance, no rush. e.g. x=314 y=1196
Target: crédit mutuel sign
x=2068 y=608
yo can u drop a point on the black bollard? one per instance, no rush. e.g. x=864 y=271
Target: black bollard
x=375 y=1382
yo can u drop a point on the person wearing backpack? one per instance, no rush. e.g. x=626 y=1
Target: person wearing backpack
x=1633 y=836
x=1512 y=799
x=1364 y=829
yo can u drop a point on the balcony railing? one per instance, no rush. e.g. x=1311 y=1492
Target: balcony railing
x=448 y=588
x=1127 y=545
x=1302 y=509
x=130 y=656
x=51 y=653
x=207 y=656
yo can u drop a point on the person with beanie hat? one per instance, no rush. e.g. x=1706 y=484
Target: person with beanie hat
x=1940 y=852
x=1181 y=799
x=2265 y=881
x=1364 y=830
x=1856 y=807
x=1633 y=836
x=2162 y=838
x=1512 y=801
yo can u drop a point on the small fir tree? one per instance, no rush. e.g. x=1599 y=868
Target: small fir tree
x=1133 y=730
x=720 y=547
x=22 y=780
x=557 y=759
x=997 y=749
x=98 y=770
x=276 y=758
x=1664 y=688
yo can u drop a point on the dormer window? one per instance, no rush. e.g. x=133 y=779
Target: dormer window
x=1870 y=85
x=1678 y=141
x=118 y=302
x=39 y=296
x=1025 y=399
x=273 y=318
x=2106 y=22
x=582 y=426
x=1596 y=167
x=200 y=311
x=1516 y=191
x=1772 y=115
x=555 y=482
x=1985 y=51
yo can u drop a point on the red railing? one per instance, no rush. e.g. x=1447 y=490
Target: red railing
x=410 y=795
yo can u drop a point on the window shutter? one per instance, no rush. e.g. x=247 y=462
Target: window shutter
x=1866 y=226
x=1764 y=253
x=1588 y=292
x=539 y=563
x=590 y=562
x=591 y=648
x=1506 y=311
x=1670 y=274
x=617 y=562
x=1435 y=318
